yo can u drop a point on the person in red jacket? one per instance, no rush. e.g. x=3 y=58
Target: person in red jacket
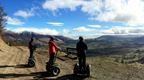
x=53 y=48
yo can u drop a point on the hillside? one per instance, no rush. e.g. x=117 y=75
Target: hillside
x=13 y=62
x=23 y=38
x=13 y=67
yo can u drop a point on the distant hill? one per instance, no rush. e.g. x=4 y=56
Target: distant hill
x=119 y=39
x=102 y=41
x=24 y=37
x=107 y=44
x=115 y=44
x=111 y=38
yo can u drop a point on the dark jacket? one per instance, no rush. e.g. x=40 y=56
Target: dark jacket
x=81 y=47
x=32 y=46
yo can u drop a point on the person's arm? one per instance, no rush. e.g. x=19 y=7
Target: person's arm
x=54 y=44
x=78 y=47
x=86 y=46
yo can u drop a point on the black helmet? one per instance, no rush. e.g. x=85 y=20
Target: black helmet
x=81 y=38
x=51 y=38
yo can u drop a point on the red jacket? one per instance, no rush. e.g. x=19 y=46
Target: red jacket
x=53 y=48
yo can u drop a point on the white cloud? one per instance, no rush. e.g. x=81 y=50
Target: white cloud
x=94 y=26
x=83 y=29
x=66 y=31
x=127 y=11
x=55 y=23
x=71 y=33
x=24 y=14
x=37 y=30
x=14 y=21
x=54 y=5
x=124 y=30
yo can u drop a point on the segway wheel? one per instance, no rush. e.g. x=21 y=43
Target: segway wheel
x=31 y=63
x=88 y=70
x=55 y=71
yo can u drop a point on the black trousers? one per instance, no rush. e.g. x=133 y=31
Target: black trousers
x=31 y=53
x=82 y=60
x=52 y=59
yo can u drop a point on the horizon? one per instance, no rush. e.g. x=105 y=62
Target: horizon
x=76 y=38
x=72 y=18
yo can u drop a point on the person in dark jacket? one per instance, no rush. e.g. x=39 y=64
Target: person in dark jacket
x=31 y=47
x=81 y=48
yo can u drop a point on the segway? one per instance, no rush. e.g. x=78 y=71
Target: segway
x=52 y=69
x=31 y=62
x=83 y=71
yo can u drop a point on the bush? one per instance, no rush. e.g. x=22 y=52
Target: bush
x=2 y=20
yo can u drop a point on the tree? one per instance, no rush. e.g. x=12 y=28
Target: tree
x=2 y=19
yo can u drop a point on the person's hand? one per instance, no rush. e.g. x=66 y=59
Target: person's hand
x=59 y=49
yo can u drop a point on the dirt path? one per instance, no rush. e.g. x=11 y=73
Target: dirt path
x=13 y=66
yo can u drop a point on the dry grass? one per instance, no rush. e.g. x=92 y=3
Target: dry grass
x=104 y=68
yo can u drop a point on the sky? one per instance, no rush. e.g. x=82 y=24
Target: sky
x=73 y=18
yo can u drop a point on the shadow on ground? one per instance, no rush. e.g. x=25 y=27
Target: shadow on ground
x=22 y=66
x=13 y=75
x=70 y=77
x=39 y=75
x=43 y=76
x=16 y=66
x=4 y=66
x=46 y=76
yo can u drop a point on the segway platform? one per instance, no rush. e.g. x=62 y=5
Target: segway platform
x=84 y=71
x=52 y=69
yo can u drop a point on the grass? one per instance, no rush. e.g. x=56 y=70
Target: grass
x=105 y=68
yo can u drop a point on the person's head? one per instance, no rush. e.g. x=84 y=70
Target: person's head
x=81 y=38
x=51 y=38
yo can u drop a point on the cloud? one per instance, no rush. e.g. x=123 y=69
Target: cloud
x=83 y=29
x=24 y=14
x=130 y=12
x=95 y=26
x=124 y=30
x=14 y=21
x=71 y=33
x=44 y=31
x=66 y=31
x=55 y=23
x=54 y=5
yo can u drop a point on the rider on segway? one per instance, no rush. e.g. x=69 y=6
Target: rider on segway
x=81 y=48
x=32 y=48
x=81 y=68
x=51 y=67
x=53 y=48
